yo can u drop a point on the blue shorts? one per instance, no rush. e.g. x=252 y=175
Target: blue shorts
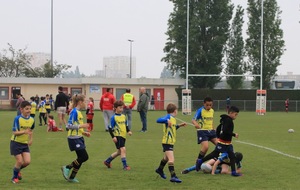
x=224 y=148
x=167 y=147
x=206 y=135
x=120 y=142
x=17 y=148
x=76 y=144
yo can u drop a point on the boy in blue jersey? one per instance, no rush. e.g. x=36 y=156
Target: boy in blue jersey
x=75 y=138
x=221 y=165
x=43 y=111
x=203 y=122
x=118 y=129
x=21 y=140
x=168 y=141
x=33 y=107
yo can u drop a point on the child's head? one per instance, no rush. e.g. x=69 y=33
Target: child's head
x=50 y=116
x=78 y=101
x=233 y=112
x=25 y=108
x=172 y=109
x=42 y=98
x=91 y=99
x=32 y=98
x=238 y=157
x=207 y=103
x=118 y=106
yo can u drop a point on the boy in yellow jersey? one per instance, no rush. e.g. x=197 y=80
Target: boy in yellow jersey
x=33 y=107
x=168 y=141
x=75 y=138
x=203 y=122
x=21 y=140
x=43 y=111
x=118 y=129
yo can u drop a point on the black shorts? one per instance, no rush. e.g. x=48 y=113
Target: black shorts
x=206 y=135
x=120 y=142
x=224 y=148
x=167 y=147
x=18 y=148
x=48 y=110
x=76 y=144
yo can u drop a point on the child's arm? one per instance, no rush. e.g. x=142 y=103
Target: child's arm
x=26 y=131
x=30 y=138
x=215 y=167
x=77 y=126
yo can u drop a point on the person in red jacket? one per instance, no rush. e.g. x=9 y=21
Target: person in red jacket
x=129 y=103
x=106 y=105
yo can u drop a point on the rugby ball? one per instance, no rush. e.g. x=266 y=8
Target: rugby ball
x=291 y=130
x=206 y=168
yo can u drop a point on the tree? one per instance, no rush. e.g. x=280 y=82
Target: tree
x=235 y=51
x=209 y=30
x=166 y=73
x=13 y=62
x=273 y=43
x=46 y=71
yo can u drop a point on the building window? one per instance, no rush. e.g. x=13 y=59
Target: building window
x=120 y=92
x=76 y=91
x=4 y=93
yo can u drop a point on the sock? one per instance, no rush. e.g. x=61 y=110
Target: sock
x=15 y=172
x=109 y=159
x=76 y=167
x=70 y=166
x=201 y=155
x=233 y=173
x=124 y=162
x=162 y=164
x=171 y=169
x=191 y=168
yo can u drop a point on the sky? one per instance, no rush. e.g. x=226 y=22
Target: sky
x=85 y=31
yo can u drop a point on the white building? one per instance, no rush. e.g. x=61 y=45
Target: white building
x=119 y=67
x=39 y=58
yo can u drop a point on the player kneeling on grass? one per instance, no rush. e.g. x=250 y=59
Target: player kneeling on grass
x=21 y=140
x=168 y=141
x=221 y=165
x=75 y=138
x=118 y=129
x=52 y=125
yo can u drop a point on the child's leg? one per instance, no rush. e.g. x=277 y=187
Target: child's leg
x=18 y=165
x=163 y=162
x=112 y=157
x=123 y=157
x=82 y=156
x=169 y=155
x=40 y=118
x=45 y=118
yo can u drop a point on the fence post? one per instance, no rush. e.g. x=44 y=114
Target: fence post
x=270 y=105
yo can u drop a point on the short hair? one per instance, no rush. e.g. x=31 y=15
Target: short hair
x=238 y=156
x=24 y=104
x=92 y=99
x=207 y=99
x=118 y=103
x=32 y=98
x=128 y=90
x=108 y=89
x=42 y=98
x=171 y=107
x=50 y=116
x=233 y=109
x=60 y=88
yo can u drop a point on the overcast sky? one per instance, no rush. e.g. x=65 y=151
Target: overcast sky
x=85 y=31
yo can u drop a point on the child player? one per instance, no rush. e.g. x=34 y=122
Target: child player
x=21 y=140
x=168 y=141
x=90 y=114
x=75 y=138
x=52 y=125
x=43 y=111
x=118 y=129
x=203 y=122
x=33 y=107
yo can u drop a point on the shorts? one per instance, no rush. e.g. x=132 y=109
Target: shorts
x=61 y=110
x=167 y=147
x=224 y=148
x=18 y=148
x=205 y=135
x=48 y=111
x=76 y=144
x=89 y=117
x=120 y=142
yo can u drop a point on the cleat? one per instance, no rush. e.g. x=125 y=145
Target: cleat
x=126 y=168
x=234 y=174
x=19 y=176
x=107 y=164
x=185 y=171
x=15 y=180
x=161 y=173
x=73 y=180
x=65 y=172
x=198 y=164
x=175 y=180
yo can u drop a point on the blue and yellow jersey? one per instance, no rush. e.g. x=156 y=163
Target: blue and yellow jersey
x=21 y=124
x=47 y=104
x=118 y=124
x=169 y=133
x=75 y=118
x=205 y=118
x=224 y=158
x=42 y=108
x=33 y=108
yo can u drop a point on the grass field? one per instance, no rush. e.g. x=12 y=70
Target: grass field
x=262 y=168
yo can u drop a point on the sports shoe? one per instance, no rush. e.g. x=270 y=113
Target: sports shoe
x=175 y=180
x=65 y=172
x=19 y=176
x=198 y=164
x=126 y=168
x=15 y=180
x=73 y=180
x=161 y=173
x=234 y=174
x=107 y=164
x=185 y=171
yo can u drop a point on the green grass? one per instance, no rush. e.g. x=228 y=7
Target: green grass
x=262 y=169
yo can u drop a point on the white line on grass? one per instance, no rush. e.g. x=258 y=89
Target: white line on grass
x=270 y=149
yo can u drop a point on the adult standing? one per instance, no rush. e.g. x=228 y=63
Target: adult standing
x=61 y=104
x=142 y=107
x=107 y=105
x=287 y=103
x=20 y=99
x=152 y=103
x=129 y=102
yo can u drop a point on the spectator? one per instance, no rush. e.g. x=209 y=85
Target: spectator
x=129 y=103
x=19 y=101
x=106 y=105
x=61 y=104
x=152 y=102
x=142 y=108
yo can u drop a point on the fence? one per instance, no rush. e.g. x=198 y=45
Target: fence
x=219 y=105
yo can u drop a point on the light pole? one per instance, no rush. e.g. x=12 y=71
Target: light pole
x=130 y=61
x=51 y=62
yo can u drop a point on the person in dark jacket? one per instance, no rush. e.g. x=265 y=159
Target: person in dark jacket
x=61 y=105
x=142 y=107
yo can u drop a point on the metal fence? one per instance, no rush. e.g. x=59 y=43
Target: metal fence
x=219 y=105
